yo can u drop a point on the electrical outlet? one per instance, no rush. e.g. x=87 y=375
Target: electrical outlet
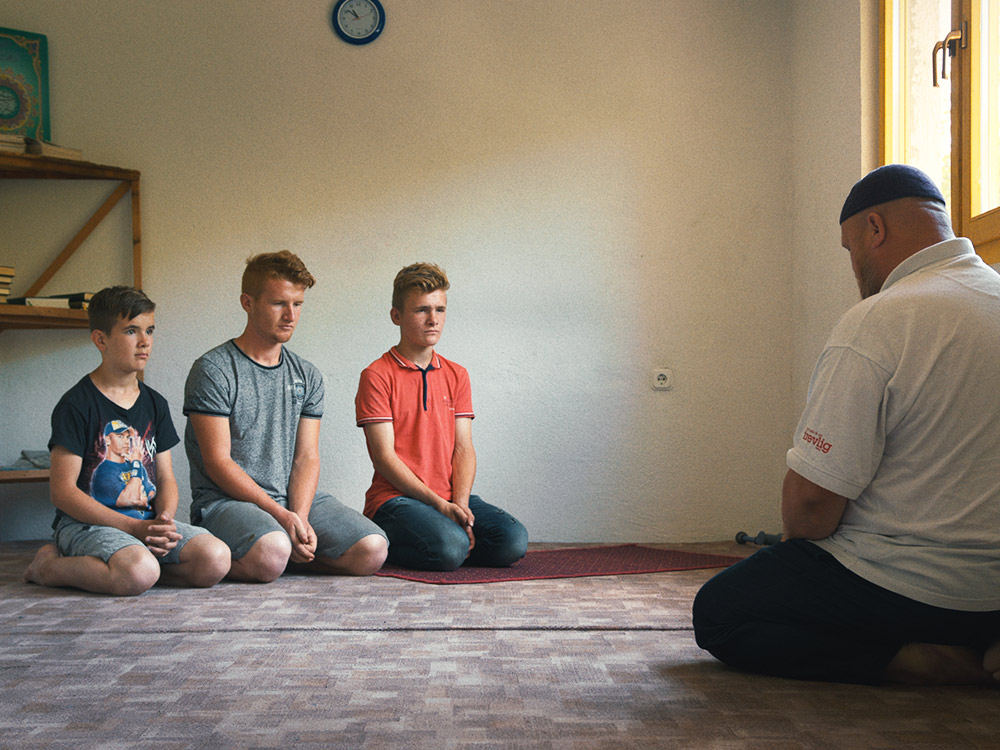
x=663 y=379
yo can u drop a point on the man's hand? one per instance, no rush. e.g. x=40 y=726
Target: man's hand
x=159 y=534
x=302 y=535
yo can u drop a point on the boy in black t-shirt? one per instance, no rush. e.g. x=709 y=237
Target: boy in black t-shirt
x=112 y=480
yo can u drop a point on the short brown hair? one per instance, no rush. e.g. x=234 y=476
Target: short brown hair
x=421 y=277
x=281 y=265
x=115 y=303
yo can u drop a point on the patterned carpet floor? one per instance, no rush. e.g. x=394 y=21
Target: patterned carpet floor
x=311 y=662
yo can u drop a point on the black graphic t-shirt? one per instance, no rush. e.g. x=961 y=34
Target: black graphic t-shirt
x=118 y=446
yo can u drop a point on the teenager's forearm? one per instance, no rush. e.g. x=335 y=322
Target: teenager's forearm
x=74 y=502
x=302 y=485
x=237 y=484
x=463 y=475
x=393 y=470
x=167 y=497
x=82 y=507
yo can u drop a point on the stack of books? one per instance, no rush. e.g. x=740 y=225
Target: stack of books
x=74 y=301
x=6 y=279
x=19 y=144
x=12 y=144
x=44 y=148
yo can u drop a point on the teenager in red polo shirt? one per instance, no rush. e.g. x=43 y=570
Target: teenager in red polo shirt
x=416 y=410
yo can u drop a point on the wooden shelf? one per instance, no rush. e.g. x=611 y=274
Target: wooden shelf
x=25 y=316
x=31 y=167
x=24 y=475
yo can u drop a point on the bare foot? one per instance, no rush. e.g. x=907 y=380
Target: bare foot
x=991 y=660
x=934 y=664
x=36 y=569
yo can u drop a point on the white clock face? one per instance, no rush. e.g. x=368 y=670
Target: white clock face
x=358 y=18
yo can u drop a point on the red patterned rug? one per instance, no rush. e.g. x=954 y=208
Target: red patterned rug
x=622 y=559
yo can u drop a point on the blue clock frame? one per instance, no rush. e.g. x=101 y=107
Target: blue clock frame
x=370 y=36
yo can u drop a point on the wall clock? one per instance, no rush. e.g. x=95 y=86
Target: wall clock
x=358 y=21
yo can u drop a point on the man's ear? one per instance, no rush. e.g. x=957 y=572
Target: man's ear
x=395 y=315
x=99 y=338
x=875 y=229
x=245 y=301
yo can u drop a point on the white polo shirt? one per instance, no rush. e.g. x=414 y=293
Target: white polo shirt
x=903 y=419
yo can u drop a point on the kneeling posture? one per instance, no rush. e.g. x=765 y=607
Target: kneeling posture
x=112 y=479
x=416 y=410
x=891 y=557
x=254 y=409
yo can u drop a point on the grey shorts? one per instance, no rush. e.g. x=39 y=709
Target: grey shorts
x=240 y=524
x=76 y=539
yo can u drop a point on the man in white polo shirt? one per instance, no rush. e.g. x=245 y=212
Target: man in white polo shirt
x=890 y=565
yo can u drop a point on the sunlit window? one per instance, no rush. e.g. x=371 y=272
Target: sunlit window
x=920 y=129
x=986 y=88
x=950 y=130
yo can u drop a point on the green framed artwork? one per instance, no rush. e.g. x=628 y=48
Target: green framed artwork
x=24 y=84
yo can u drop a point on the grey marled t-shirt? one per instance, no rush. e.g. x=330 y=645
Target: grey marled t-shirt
x=263 y=405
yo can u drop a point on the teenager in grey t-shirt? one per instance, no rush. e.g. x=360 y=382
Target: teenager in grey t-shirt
x=263 y=405
x=252 y=439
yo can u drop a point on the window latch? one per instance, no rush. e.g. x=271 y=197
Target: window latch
x=951 y=43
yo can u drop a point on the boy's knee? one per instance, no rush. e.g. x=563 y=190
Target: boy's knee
x=211 y=560
x=452 y=552
x=134 y=570
x=513 y=547
x=267 y=559
x=502 y=542
x=367 y=555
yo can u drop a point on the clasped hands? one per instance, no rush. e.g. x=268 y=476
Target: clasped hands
x=159 y=534
x=463 y=517
x=302 y=535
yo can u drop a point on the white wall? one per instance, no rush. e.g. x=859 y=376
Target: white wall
x=834 y=145
x=609 y=194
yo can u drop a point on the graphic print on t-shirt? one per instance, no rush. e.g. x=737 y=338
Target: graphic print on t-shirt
x=120 y=479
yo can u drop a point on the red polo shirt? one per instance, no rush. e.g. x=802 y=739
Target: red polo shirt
x=422 y=406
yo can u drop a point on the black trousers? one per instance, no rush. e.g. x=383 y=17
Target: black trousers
x=792 y=610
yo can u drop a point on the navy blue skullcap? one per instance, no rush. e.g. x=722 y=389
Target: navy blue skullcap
x=889 y=183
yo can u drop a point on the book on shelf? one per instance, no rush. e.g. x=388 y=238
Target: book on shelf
x=12 y=144
x=44 y=148
x=77 y=301
x=6 y=279
x=72 y=296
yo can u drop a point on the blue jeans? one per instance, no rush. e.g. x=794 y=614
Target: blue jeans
x=420 y=538
x=793 y=610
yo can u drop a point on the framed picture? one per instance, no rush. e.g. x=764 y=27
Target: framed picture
x=24 y=84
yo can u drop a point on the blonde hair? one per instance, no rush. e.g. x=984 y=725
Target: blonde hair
x=421 y=277
x=281 y=265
